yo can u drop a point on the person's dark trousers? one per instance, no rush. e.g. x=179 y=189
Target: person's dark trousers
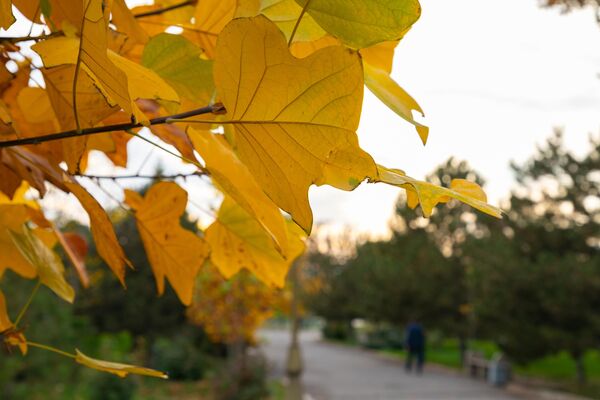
x=417 y=354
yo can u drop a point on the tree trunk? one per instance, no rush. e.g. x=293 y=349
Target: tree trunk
x=462 y=346
x=581 y=375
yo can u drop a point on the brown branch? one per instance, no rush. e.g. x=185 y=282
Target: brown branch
x=136 y=176
x=216 y=108
x=18 y=39
x=165 y=9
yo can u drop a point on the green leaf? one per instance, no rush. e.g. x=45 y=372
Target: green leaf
x=363 y=23
x=48 y=264
x=177 y=61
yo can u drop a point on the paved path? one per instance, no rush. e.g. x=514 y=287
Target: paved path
x=336 y=372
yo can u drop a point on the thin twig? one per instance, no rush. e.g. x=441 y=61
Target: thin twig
x=109 y=128
x=138 y=176
x=165 y=9
x=28 y=303
x=18 y=39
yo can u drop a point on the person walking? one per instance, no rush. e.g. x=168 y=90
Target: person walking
x=415 y=346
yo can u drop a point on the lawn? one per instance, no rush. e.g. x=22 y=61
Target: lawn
x=557 y=370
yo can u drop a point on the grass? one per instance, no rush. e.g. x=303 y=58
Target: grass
x=558 y=370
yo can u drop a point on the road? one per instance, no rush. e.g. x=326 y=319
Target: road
x=337 y=372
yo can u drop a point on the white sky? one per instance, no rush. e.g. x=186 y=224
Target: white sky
x=494 y=78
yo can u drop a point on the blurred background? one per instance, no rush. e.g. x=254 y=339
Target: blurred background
x=512 y=95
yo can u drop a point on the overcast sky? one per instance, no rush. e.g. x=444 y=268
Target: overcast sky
x=494 y=79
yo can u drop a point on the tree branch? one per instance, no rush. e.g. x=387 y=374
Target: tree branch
x=165 y=9
x=139 y=176
x=216 y=108
x=18 y=39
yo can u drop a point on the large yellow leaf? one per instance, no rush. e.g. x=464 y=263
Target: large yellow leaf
x=4 y=318
x=238 y=241
x=429 y=195
x=121 y=370
x=173 y=252
x=47 y=263
x=393 y=96
x=236 y=181
x=364 y=23
x=102 y=230
x=291 y=133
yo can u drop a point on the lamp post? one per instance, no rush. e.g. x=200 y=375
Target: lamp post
x=294 y=364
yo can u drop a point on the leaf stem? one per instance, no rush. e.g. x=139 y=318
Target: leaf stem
x=298 y=22
x=109 y=128
x=50 y=348
x=28 y=303
x=183 y=158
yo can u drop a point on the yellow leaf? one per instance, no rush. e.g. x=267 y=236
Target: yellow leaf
x=91 y=104
x=393 y=96
x=5 y=322
x=6 y=16
x=48 y=264
x=364 y=23
x=92 y=108
x=121 y=370
x=429 y=195
x=285 y=14
x=125 y=22
x=234 y=179
x=173 y=252
x=295 y=134
x=16 y=338
x=238 y=241
x=177 y=60
x=35 y=104
x=381 y=55
x=104 y=235
x=211 y=16
x=12 y=218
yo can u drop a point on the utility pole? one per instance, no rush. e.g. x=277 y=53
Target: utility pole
x=294 y=365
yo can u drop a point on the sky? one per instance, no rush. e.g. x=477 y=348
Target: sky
x=494 y=79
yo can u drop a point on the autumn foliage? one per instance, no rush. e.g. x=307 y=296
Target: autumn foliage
x=263 y=97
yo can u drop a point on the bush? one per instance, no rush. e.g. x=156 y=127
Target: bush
x=242 y=380
x=337 y=330
x=110 y=387
x=180 y=358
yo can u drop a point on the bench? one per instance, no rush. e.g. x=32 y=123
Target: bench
x=476 y=364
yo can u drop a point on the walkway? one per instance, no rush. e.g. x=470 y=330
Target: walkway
x=336 y=372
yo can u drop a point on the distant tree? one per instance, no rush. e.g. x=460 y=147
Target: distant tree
x=449 y=227
x=536 y=280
